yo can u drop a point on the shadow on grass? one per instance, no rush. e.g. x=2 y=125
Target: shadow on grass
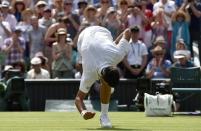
x=116 y=129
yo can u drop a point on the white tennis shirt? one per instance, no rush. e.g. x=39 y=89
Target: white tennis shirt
x=97 y=49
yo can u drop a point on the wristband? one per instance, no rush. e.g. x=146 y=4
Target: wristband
x=83 y=113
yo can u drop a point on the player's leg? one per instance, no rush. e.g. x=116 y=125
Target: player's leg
x=105 y=93
x=79 y=102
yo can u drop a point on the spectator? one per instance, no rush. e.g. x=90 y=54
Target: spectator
x=18 y=7
x=169 y=8
x=136 y=60
x=36 y=36
x=82 y=4
x=39 y=7
x=101 y=12
x=123 y=12
x=195 y=25
x=58 y=8
x=158 y=67
x=14 y=47
x=181 y=46
x=10 y=18
x=112 y=23
x=73 y=22
x=5 y=30
x=180 y=22
x=159 y=25
x=147 y=24
x=137 y=17
x=50 y=37
x=61 y=53
x=47 y=20
x=37 y=72
x=20 y=66
x=43 y=59
x=25 y=26
x=90 y=16
x=182 y=57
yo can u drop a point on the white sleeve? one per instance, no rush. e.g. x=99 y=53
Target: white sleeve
x=86 y=82
x=124 y=46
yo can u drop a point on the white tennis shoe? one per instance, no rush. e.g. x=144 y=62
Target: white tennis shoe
x=105 y=121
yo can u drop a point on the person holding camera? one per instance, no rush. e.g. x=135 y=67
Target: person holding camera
x=100 y=55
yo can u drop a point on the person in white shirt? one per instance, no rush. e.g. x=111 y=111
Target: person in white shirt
x=100 y=55
x=136 y=60
x=37 y=72
x=10 y=18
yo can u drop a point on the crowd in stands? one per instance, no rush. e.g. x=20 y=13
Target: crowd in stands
x=39 y=37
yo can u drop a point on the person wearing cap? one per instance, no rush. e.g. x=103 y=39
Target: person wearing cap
x=180 y=26
x=100 y=55
x=180 y=45
x=158 y=67
x=90 y=16
x=182 y=59
x=47 y=20
x=37 y=72
x=36 y=37
x=136 y=60
x=61 y=52
x=14 y=47
x=18 y=7
x=5 y=73
x=10 y=18
x=44 y=60
x=40 y=6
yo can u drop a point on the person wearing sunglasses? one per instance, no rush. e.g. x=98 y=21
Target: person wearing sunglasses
x=158 y=67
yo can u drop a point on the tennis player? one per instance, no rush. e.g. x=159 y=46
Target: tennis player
x=100 y=55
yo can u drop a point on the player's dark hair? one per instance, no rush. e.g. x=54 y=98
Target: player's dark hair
x=111 y=75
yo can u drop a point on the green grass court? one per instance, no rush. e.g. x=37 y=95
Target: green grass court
x=71 y=121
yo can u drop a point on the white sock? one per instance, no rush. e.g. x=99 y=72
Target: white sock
x=104 y=108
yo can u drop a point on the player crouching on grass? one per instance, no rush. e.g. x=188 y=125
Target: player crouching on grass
x=100 y=55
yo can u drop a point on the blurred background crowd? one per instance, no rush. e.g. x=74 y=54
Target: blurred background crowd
x=39 y=37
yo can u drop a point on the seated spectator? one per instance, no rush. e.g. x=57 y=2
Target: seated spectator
x=136 y=60
x=5 y=73
x=37 y=72
x=158 y=67
x=44 y=60
x=180 y=45
x=182 y=57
